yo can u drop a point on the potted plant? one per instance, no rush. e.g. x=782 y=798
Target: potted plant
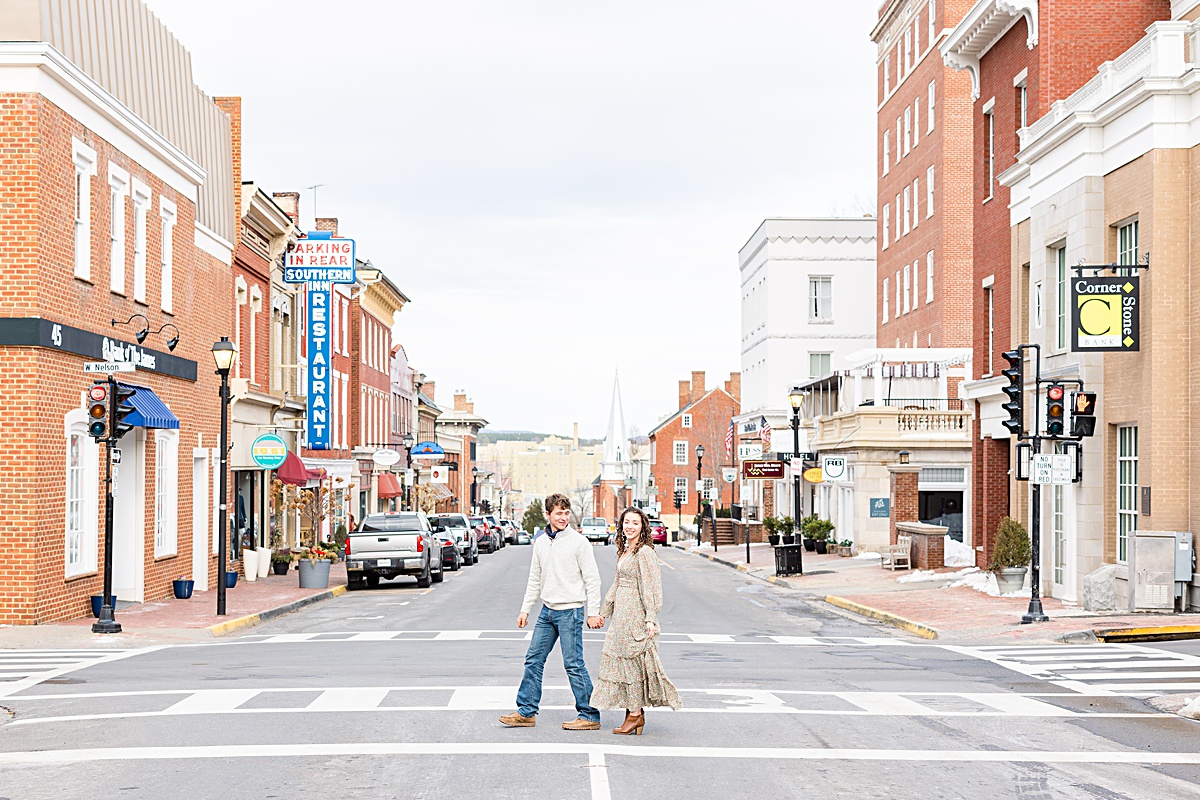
x=231 y=575
x=183 y=587
x=314 y=566
x=772 y=526
x=787 y=525
x=843 y=548
x=810 y=544
x=1010 y=555
x=281 y=561
x=818 y=530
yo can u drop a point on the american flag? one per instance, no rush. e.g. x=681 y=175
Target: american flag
x=764 y=432
x=729 y=440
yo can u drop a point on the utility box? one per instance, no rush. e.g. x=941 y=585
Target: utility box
x=1152 y=567
x=1183 y=557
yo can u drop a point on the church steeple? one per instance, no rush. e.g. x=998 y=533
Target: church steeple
x=615 y=465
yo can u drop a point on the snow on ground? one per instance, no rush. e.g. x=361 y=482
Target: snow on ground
x=959 y=554
x=984 y=582
x=921 y=575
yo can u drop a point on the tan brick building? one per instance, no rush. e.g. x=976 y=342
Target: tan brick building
x=924 y=147
x=1106 y=177
x=121 y=206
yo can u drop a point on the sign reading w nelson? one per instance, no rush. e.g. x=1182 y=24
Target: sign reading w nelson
x=1105 y=314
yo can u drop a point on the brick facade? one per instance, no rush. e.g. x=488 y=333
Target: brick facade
x=905 y=498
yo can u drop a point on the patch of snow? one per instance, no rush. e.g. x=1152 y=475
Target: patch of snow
x=984 y=582
x=922 y=576
x=1191 y=710
x=875 y=556
x=959 y=554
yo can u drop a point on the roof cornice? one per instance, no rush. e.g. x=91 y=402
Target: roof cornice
x=985 y=24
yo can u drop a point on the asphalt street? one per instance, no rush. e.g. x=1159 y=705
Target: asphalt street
x=395 y=693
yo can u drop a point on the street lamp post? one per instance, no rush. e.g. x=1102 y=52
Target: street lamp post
x=796 y=397
x=409 y=440
x=699 y=492
x=224 y=352
x=474 y=479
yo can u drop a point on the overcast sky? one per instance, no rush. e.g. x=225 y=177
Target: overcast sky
x=560 y=187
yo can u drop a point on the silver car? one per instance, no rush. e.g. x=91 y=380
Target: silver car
x=459 y=528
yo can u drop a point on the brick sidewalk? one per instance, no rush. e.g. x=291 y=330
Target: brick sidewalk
x=932 y=608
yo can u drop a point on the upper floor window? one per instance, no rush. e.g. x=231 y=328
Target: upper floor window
x=916 y=201
x=168 y=214
x=1060 y=263
x=929 y=277
x=930 y=108
x=907 y=130
x=887 y=219
x=907 y=209
x=680 y=453
x=887 y=76
x=84 y=158
x=916 y=127
x=819 y=364
x=686 y=421
x=141 y=205
x=887 y=151
x=886 y=283
x=989 y=150
x=929 y=192
x=1127 y=245
x=118 y=188
x=907 y=287
x=820 y=298
x=908 y=55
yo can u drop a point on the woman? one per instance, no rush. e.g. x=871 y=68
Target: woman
x=631 y=675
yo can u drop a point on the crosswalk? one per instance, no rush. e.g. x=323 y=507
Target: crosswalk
x=395 y=699
x=508 y=635
x=1098 y=669
x=21 y=669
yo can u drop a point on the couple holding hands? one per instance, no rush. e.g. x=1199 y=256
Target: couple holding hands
x=564 y=576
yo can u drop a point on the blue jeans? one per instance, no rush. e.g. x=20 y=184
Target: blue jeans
x=567 y=626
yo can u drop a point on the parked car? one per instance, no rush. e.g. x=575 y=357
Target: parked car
x=524 y=538
x=596 y=530
x=489 y=541
x=391 y=544
x=658 y=531
x=494 y=524
x=451 y=558
x=459 y=528
x=510 y=530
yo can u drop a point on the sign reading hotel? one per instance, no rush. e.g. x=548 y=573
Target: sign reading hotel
x=762 y=470
x=318 y=261
x=1105 y=314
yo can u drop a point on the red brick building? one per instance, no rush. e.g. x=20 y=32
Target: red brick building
x=702 y=418
x=121 y=207
x=1020 y=60
x=924 y=243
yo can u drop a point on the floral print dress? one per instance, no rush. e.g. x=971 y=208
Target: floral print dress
x=631 y=675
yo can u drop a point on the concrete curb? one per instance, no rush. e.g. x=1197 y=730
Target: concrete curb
x=1164 y=633
x=250 y=620
x=739 y=567
x=915 y=628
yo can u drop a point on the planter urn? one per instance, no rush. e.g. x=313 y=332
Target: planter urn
x=250 y=564
x=183 y=589
x=281 y=567
x=1011 y=579
x=314 y=574
x=264 y=561
x=231 y=577
x=822 y=547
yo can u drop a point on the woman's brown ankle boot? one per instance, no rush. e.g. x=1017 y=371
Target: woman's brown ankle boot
x=633 y=724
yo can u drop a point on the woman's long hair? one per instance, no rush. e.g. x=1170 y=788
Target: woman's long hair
x=643 y=540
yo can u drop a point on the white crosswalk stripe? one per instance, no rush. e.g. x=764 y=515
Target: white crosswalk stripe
x=1100 y=669
x=21 y=669
x=393 y=699
x=509 y=635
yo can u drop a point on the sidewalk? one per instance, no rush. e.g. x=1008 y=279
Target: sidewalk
x=927 y=605
x=163 y=621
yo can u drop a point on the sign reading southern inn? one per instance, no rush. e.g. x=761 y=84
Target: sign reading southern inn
x=1105 y=314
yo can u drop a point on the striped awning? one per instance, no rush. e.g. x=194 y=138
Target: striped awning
x=150 y=411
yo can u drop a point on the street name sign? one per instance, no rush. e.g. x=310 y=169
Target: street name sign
x=763 y=470
x=108 y=367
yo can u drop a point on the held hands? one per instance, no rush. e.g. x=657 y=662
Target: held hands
x=651 y=628
x=522 y=620
x=595 y=622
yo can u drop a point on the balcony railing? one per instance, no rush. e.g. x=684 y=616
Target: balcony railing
x=891 y=426
x=922 y=403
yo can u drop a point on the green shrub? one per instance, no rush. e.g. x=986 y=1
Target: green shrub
x=1012 y=548
x=771 y=524
x=817 y=529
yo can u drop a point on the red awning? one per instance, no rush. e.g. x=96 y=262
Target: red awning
x=389 y=487
x=292 y=470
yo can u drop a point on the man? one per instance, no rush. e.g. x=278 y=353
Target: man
x=564 y=575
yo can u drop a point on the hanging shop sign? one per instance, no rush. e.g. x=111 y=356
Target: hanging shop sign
x=1105 y=315
x=440 y=473
x=319 y=261
x=428 y=451
x=269 y=451
x=814 y=475
x=749 y=450
x=41 y=332
x=881 y=507
x=386 y=457
x=833 y=467
x=763 y=470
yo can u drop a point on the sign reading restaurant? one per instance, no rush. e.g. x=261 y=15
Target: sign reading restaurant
x=1105 y=314
x=319 y=261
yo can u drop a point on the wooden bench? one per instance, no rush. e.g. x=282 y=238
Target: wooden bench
x=899 y=553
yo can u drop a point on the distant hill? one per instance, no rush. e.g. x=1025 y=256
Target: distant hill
x=490 y=436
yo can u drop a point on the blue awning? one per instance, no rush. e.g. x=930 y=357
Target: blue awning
x=150 y=412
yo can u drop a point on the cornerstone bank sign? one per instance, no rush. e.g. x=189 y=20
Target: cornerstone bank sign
x=318 y=261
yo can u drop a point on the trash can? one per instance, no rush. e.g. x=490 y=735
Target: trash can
x=787 y=559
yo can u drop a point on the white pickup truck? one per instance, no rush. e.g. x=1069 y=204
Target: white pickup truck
x=392 y=544
x=595 y=529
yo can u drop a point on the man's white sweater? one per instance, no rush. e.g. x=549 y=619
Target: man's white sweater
x=563 y=573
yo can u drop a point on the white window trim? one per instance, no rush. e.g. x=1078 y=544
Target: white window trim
x=815 y=282
x=907 y=288
x=1129 y=512
x=84 y=158
x=907 y=208
x=1038 y=304
x=989 y=134
x=1061 y=333
x=141 y=215
x=169 y=214
x=166 y=469
x=916 y=284
x=686 y=421
x=929 y=192
x=118 y=189
x=932 y=108
x=897 y=216
x=255 y=309
x=907 y=130
x=75 y=423
x=897 y=293
x=886 y=286
x=887 y=221
x=916 y=201
x=916 y=123
x=241 y=291
x=676 y=450
x=887 y=151
x=681 y=485
x=929 y=277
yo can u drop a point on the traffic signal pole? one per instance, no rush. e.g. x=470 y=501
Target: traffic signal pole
x=106 y=622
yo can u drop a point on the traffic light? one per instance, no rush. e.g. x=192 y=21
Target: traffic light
x=1056 y=411
x=98 y=410
x=678 y=498
x=1083 y=413
x=1015 y=391
x=122 y=410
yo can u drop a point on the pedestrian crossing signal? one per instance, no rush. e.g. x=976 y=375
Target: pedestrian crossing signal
x=98 y=410
x=1083 y=413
